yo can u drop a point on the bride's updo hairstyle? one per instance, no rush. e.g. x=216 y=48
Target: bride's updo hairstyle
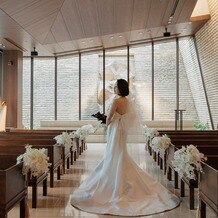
x=123 y=87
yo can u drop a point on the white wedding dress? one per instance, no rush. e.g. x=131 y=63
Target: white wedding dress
x=118 y=186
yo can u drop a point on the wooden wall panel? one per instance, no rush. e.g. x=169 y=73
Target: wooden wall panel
x=12 y=84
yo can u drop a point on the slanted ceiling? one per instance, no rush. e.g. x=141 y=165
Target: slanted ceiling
x=58 y=27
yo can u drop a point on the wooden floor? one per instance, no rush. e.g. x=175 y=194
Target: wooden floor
x=56 y=204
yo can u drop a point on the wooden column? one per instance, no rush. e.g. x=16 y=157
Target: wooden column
x=12 y=86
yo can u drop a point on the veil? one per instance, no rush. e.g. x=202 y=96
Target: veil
x=133 y=125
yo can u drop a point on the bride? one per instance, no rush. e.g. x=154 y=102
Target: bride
x=118 y=186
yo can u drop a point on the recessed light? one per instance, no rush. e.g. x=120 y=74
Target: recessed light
x=169 y=22
x=111 y=37
x=140 y=33
x=83 y=42
x=3 y=46
x=120 y=36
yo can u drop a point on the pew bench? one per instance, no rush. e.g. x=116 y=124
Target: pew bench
x=209 y=186
x=13 y=186
x=54 y=153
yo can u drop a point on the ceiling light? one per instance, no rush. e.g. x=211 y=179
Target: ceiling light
x=3 y=46
x=91 y=40
x=111 y=37
x=83 y=42
x=120 y=36
x=140 y=33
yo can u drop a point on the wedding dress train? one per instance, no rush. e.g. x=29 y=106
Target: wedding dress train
x=118 y=186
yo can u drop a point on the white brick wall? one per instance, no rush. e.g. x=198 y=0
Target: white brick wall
x=207 y=43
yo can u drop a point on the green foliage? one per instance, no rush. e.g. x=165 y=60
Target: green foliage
x=200 y=125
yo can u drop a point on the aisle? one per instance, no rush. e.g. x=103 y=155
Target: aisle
x=56 y=204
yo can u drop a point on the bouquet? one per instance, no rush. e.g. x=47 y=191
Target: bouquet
x=63 y=139
x=83 y=131
x=187 y=160
x=161 y=144
x=151 y=132
x=100 y=116
x=34 y=160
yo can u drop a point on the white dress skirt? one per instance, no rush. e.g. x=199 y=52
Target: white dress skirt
x=118 y=186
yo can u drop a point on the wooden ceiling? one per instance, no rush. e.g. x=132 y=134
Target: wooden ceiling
x=57 y=27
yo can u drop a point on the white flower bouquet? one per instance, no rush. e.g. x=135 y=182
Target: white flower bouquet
x=83 y=131
x=151 y=133
x=160 y=144
x=187 y=161
x=64 y=139
x=34 y=160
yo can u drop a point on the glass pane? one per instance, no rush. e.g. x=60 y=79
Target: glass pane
x=68 y=88
x=197 y=107
x=91 y=85
x=164 y=80
x=115 y=68
x=26 y=92
x=43 y=105
x=141 y=76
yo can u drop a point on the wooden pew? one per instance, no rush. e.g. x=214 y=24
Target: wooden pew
x=209 y=186
x=54 y=152
x=207 y=150
x=13 y=186
x=13 y=152
x=66 y=153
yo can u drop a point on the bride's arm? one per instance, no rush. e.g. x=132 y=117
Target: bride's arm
x=111 y=113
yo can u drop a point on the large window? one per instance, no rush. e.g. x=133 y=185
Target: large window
x=73 y=105
x=68 y=88
x=26 y=92
x=141 y=78
x=164 y=80
x=43 y=94
x=198 y=108
x=91 y=84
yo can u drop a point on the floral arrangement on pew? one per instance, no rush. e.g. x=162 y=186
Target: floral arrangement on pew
x=83 y=132
x=34 y=160
x=150 y=133
x=160 y=144
x=64 y=139
x=187 y=161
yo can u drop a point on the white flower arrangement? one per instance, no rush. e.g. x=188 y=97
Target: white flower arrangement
x=83 y=131
x=34 y=160
x=160 y=144
x=63 y=139
x=187 y=160
x=151 y=133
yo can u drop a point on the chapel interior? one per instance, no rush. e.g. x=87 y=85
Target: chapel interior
x=59 y=61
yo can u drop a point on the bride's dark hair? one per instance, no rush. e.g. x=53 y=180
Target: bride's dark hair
x=123 y=87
